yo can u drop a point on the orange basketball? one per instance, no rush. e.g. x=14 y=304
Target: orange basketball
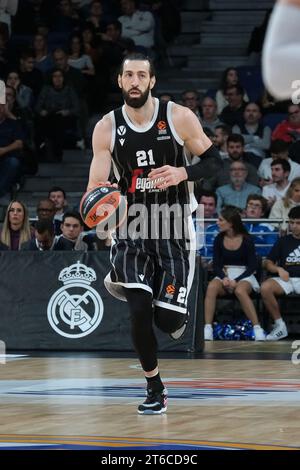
x=101 y=206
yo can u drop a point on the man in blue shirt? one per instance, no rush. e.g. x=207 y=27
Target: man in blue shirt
x=236 y=193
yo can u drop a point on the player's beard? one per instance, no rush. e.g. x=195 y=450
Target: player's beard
x=133 y=101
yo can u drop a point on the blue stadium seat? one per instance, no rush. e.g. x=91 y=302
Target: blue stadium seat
x=251 y=80
x=273 y=119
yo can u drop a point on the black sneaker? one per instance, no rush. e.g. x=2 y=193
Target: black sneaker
x=155 y=403
x=180 y=332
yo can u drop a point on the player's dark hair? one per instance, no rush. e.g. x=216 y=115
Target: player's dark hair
x=138 y=56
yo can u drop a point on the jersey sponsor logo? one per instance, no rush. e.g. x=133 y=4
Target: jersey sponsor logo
x=142 y=277
x=121 y=130
x=294 y=257
x=122 y=141
x=145 y=184
x=142 y=184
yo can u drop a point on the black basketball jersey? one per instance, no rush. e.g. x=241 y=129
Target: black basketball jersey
x=135 y=151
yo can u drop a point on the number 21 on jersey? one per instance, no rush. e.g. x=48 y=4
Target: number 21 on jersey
x=145 y=158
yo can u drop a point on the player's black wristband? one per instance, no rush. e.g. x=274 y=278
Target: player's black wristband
x=196 y=172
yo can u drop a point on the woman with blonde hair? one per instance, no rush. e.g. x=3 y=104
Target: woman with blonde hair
x=282 y=207
x=16 y=229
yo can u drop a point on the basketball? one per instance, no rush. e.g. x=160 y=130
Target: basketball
x=104 y=207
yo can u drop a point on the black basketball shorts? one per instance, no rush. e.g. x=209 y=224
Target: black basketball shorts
x=164 y=268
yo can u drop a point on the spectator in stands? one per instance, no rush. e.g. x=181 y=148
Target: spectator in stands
x=96 y=17
x=73 y=77
x=209 y=201
x=45 y=239
x=29 y=74
x=257 y=137
x=43 y=60
x=77 y=58
x=24 y=94
x=282 y=207
x=222 y=132
x=16 y=228
x=11 y=145
x=237 y=192
x=115 y=47
x=283 y=261
x=46 y=210
x=281 y=169
x=166 y=97
x=235 y=148
x=57 y=111
x=234 y=266
x=26 y=122
x=278 y=149
x=72 y=230
x=264 y=235
x=4 y=55
x=58 y=195
x=190 y=99
x=8 y=8
x=289 y=129
x=209 y=117
x=66 y=17
x=137 y=25
x=89 y=42
x=30 y=15
x=229 y=78
x=233 y=113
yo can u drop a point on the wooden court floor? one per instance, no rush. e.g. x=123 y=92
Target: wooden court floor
x=234 y=395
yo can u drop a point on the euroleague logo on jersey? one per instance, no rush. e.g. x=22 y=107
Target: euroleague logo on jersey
x=162 y=130
x=161 y=125
x=170 y=289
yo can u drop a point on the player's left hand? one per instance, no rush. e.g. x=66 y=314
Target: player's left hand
x=167 y=175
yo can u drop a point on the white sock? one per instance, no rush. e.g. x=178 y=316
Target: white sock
x=209 y=325
x=279 y=322
x=257 y=327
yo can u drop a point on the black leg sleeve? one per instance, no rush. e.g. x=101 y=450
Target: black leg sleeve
x=167 y=320
x=141 y=313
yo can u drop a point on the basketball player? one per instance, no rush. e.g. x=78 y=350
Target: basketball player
x=144 y=140
x=281 y=66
